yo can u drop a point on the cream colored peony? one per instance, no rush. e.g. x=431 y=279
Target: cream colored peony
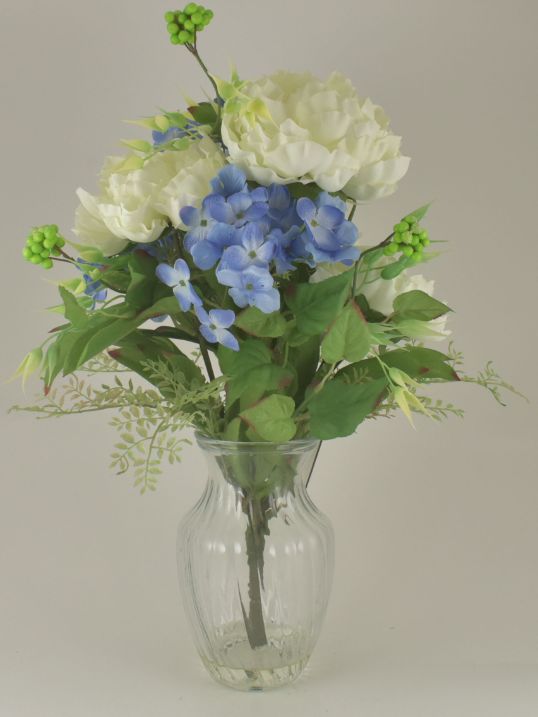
x=136 y=206
x=381 y=293
x=291 y=127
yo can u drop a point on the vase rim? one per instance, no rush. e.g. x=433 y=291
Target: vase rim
x=218 y=445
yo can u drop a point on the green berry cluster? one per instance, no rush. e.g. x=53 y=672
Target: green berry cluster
x=409 y=239
x=184 y=24
x=41 y=244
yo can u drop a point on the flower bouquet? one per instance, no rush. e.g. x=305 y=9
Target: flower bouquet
x=220 y=263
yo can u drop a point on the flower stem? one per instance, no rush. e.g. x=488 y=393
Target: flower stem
x=207 y=360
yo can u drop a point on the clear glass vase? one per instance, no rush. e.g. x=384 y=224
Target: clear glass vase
x=255 y=559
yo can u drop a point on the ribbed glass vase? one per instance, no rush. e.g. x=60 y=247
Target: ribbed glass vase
x=255 y=559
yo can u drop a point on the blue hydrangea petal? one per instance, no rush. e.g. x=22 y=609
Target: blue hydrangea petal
x=235 y=258
x=240 y=297
x=227 y=339
x=222 y=318
x=182 y=269
x=229 y=277
x=267 y=301
x=259 y=194
x=347 y=234
x=183 y=296
x=205 y=254
x=278 y=197
x=201 y=313
x=329 y=217
x=239 y=202
x=216 y=207
x=208 y=334
x=167 y=274
x=190 y=216
x=229 y=180
x=326 y=199
x=306 y=209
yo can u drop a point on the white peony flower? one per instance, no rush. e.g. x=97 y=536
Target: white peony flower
x=381 y=293
x=291 y=127
x=137 y=205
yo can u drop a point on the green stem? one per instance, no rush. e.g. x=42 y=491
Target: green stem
x=207 y=360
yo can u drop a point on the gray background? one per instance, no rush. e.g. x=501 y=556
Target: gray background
x=434 y=609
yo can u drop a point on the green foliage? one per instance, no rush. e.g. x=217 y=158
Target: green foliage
x=148 y=421
x=348 y=337
x=255 y=322
x=272 y=418
x=315 y=306
x=421 y=364
x=338 y=408
x=419 y=306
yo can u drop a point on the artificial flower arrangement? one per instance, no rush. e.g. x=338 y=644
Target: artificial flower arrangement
x=221 y=262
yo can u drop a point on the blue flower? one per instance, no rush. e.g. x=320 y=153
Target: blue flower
x=189 y=130
x=230 y=180
x=281 y=207
x=254 y=250
x=285 y=248
x=251 y=287
x=207 y=252
x=94 y=288
x=214 y=327
x=237 y=209
x=329 y=237
x=178 y=277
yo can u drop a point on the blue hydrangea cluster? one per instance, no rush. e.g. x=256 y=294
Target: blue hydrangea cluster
x=249 y=236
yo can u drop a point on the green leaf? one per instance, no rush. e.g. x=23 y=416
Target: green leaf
x=115 y=279
x=139 y=145
x=305 y=359
x=415 y=329
x=421 y=364
x=138 y=348
x=271 y=418
x=204 y=113
x=233 y=430
x=371 y=315
x=316 y=305
x=339 y=407
x=254 y=384
x=298 y=190
x=143 y=280
x=418 y=305
x=253 y=353
x=73 y=311
x=348 y=337
x=420 y=213
x=255 y=322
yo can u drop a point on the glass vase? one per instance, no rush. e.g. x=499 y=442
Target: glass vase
x=255 y=560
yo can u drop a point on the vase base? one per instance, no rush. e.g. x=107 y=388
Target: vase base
x=263 y=668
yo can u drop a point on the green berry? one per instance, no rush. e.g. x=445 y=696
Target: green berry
x=46 y=264
x=407 y=237
x=390 y=249
x=197 y=18
x=174 y=39
x=35 y=259
x=191 y=8
x=397 y=238
x=60 y=241
x=424 y=235
x=49 y=243
x=38 y=236
x=402 y=226
x=181 y=18
x=191 y=37
x=45 y=254
x=27 y=253
x=183 y=37
x=173 y=28
x=36 y=248
x=415 y=240
x=50 y=233
x=169 y=16
x=188 y=25
x=407 y=250
x=410 y=219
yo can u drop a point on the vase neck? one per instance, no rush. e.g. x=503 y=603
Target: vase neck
x=256 y=471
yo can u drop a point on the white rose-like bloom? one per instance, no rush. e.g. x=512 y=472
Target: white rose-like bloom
x=136 y=206
x=381 y=293
x=291 y=127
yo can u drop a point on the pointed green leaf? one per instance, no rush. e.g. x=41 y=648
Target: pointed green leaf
x=348 y=337
x=339 y=407
x=419 y=306
x=73 y=311
x=271 y=418
x=255 y=322
x=316 y=305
